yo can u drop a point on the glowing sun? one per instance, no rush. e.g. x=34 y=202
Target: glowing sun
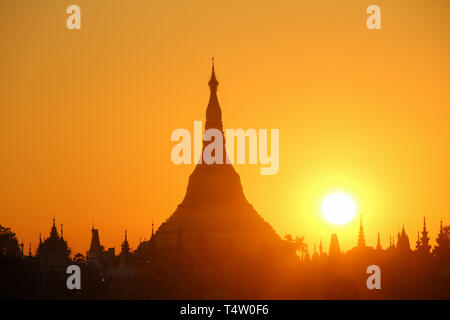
x=338 y=208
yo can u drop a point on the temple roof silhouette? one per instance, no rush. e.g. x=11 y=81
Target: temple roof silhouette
x=53 y=252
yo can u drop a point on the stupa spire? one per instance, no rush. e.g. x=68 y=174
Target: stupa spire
x=213 y=83
x=213 y=111
x=361 y=239
x=378 y=242
x=215 y=205
x=152 y=230
x=418 y=241
x=424 y=240
x=54 y=231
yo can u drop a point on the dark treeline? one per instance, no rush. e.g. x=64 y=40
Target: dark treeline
x=204 y=272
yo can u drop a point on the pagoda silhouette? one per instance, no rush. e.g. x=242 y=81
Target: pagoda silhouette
x=214 y=213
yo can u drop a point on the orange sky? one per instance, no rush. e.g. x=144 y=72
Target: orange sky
x=86 y=116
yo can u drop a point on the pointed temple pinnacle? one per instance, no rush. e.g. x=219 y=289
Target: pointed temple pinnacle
x=213 y=83
x=152 y=229
x=361 y=239
x=213 y=111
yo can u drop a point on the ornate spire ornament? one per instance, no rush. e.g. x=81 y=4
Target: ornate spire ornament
x=378 y=242
x=361 y=239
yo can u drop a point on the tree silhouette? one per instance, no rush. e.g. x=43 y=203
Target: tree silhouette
x=9 y=245
x=301 y=248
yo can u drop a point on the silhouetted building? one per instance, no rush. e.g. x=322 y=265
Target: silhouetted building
x=96 y=253
x=391 y=243
x=214 y=207
x=361 y=239
x=321 y=252
x=125 y=253
x=418 y=241
x=335 y=249
x=121 y=274
x=153 y=232
x=378 y=243
x=442 y=241
x=403 y=241
x=53 y=256
x=422 y=244
x=315 y=254
x=442 y=249
x=53 y=252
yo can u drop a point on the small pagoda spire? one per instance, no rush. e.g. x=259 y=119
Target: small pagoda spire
x=61 y=230
x=213 y=83
x=29 y=250
x=403 y=242
x=335 y=250
x=378 y=242
x=418 y=241
x=213 y=111
x=125 y=252
x=424 y=240
x=152 y=230
x=361 y=239
x=54 y=231
x=442 y=242
x=320 y=247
